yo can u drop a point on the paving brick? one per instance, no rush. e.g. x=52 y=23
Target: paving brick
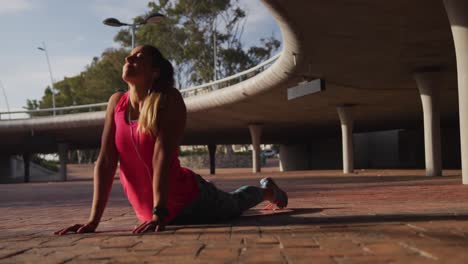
x=8 y=253
x=180 y=259
x=295 y=242
x=51 y=257
x=365 y=260
x=151 y=246
x=307 y=253
x=218 y=234
x=340 y=245
x=60 y=241
x=240 y=233
x=119 y=242
x=219 y=255
x=390 y=248
x=110 y=253
x=182 y=250
x=90 y=240
x=261 y=255
x=314 y=260
x=188 y=233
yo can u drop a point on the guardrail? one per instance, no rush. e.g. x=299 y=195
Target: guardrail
x=228 y=81
x=187 y=92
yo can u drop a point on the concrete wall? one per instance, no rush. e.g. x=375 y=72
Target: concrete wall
x=392 y=149
x=376 y=149
x=222 y=161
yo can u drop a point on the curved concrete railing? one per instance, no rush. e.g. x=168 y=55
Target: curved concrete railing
x=229 y=81
x=187 y=92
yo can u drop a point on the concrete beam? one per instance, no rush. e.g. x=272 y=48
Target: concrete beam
x=457 y=11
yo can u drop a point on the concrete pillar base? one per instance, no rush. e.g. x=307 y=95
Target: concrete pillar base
x=428 y=84
x=346 y=119
x=63 y=157
x=6 y=169
x=212 y=153
x=27 y=163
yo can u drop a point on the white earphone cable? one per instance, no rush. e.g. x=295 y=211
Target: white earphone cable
x=136 y=149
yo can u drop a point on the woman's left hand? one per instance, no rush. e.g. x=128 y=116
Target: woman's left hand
x=155 y=225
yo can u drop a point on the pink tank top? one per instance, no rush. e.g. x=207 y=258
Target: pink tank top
x=136 y=169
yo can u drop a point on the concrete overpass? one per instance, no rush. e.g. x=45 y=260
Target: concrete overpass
x=386 y=65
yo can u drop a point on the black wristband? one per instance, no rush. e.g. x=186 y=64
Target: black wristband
x=160 y=211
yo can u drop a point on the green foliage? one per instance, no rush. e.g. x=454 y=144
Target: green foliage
x=191 y=152
x=48 y=164
x=95 y=84
x=102 y=78
x=188 y=34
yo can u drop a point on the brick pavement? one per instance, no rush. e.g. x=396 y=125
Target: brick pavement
x=377 y=216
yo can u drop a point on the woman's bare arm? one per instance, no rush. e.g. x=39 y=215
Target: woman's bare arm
x=104 y=172
x=106 y=164
x=170 y=132
x=171 y=125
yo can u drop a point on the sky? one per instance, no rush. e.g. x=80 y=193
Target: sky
x=73 y=33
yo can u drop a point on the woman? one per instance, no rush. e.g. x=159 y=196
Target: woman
x=142 y=131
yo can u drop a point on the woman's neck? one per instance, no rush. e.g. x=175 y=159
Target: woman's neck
x=137 y=98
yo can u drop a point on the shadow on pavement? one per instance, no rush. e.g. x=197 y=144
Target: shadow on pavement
x=291 y=217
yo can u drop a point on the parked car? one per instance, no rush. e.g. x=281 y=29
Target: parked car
x=268 y=153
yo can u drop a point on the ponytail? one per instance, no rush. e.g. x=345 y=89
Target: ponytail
x=147 y=122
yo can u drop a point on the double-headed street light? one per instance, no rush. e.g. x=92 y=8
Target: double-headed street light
x=154 y=18
x=43 y=48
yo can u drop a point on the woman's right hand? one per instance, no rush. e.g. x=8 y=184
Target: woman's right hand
x=90 y=227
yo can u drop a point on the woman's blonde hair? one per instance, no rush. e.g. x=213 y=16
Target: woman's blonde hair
x=155 y=101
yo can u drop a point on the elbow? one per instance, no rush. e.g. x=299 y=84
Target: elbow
x=106 y=162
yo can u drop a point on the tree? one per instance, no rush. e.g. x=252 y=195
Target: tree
x=188 y=35
x=95 y=84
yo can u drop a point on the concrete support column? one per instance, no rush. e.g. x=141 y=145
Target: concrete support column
x=457 y=11
x=212 y=152
x=346 y=119
x=6 y=169
x=255 y=134
x=27 y=162
x=428 y=84
x=63 y=157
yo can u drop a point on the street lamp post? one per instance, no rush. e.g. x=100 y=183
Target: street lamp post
x=43 y=48
x=152 y=19
x=6 y=100
x=215 y=55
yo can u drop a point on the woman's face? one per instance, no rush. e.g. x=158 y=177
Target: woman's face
x=138 y=66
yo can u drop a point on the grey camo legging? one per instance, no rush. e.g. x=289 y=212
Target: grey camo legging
x=214 y=205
